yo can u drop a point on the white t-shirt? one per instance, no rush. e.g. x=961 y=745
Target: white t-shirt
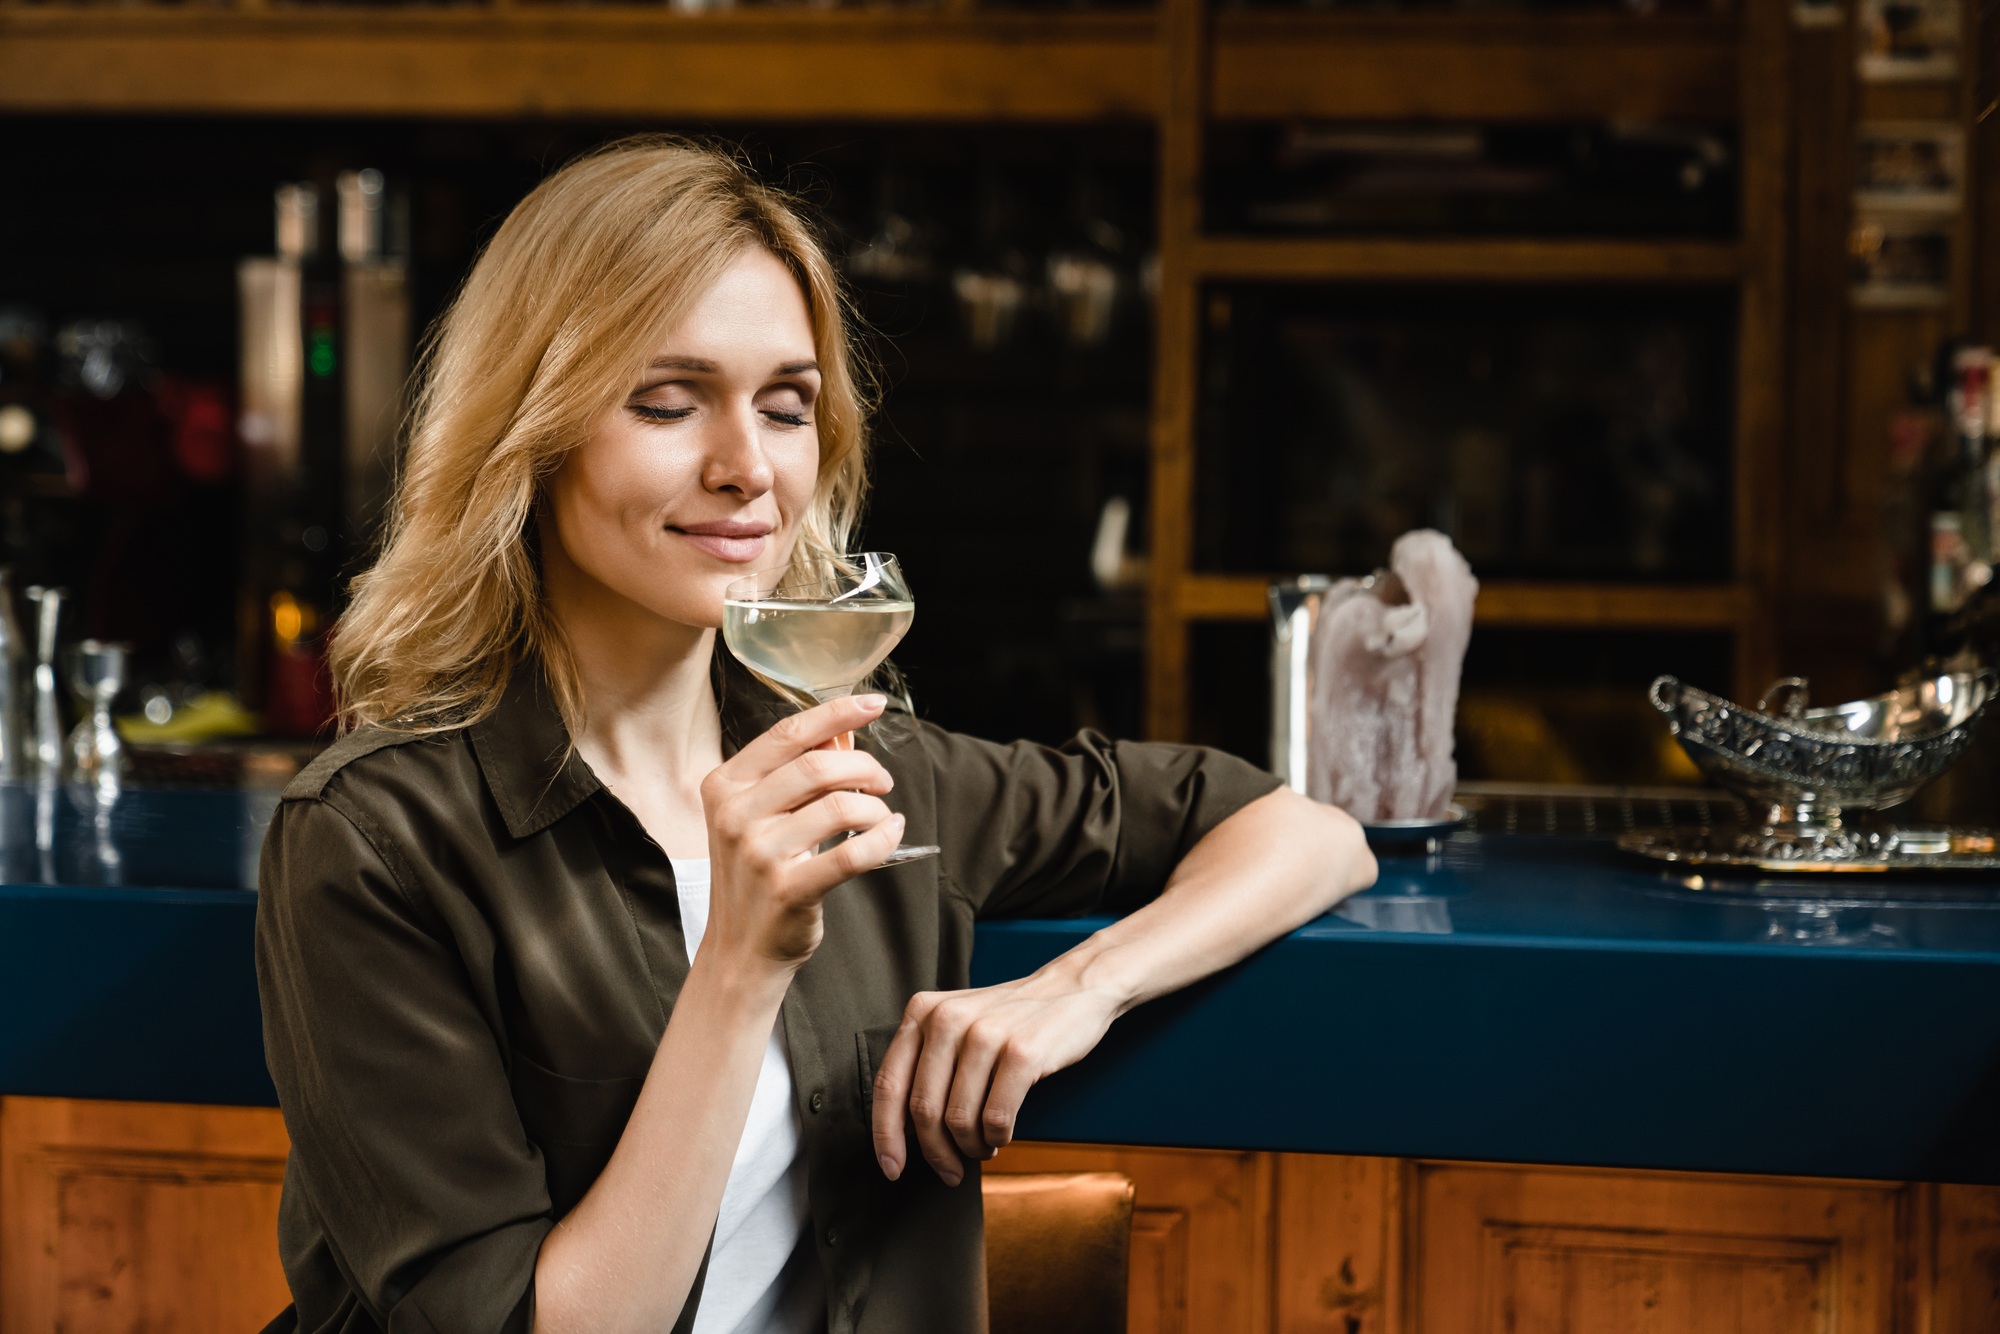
x=763 y=1274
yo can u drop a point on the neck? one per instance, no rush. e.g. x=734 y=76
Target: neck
x=649 y=708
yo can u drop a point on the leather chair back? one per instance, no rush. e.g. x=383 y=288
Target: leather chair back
x=1058 y=1252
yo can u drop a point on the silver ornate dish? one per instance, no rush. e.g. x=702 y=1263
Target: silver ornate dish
x=1807 y=770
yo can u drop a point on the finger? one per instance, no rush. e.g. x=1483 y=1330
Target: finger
x=813 y=775
x=1013 y=1075
x=793 y=736
x=835 y=813
x=966 y=1104
x=892 y=1087
x=930 y=1087
x=850 y=857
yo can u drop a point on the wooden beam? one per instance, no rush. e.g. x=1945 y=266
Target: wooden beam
x=1470 y=260
x=751 y=63
x=1762 y=350
x=1518 y=603
x=1176 y=334
x=1280 y=66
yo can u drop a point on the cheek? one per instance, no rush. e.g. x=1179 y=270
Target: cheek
x=614 y=482
x=794 y=475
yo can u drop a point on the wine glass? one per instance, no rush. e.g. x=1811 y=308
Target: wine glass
x=821 y=635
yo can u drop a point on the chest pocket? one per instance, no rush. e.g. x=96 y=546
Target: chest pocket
x=574 y=1122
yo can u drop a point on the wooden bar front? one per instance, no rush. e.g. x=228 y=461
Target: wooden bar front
x=118 y=1217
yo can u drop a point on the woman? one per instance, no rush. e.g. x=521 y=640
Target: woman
x=515 y=1104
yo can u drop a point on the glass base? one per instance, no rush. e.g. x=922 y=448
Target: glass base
x=912 y=852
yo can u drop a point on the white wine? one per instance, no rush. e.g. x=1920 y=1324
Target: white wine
x=815 y=646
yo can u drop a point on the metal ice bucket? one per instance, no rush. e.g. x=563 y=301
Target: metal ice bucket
x=1807 y=768
x=1295 y=607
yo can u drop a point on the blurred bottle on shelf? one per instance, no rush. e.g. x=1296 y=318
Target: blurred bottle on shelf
x=298 y=696
x=13 y=665
x=376 y=291
x=1965 y=520
x=325 y=353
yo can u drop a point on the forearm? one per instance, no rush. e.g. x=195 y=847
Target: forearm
x=626 y=1257
x=1272 y=866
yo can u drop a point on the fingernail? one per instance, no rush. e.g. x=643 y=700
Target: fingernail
x=950 y=1179
x=898 y=821
x=872 y=702
x=889 y=1168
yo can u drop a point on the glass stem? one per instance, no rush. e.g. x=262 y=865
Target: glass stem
x=845 y=741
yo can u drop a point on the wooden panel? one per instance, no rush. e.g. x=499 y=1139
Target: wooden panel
x=1219 y=597
x=1965 y=1274
x=577 y=61
x=119 y=1217
x=1509 y=261
x=1340 y=1243
x=1532 y=67
x=1532 y=1249
x=1159 y=1288
x=1201 y=1243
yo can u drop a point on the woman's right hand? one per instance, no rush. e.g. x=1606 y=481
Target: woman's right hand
x=769 y=807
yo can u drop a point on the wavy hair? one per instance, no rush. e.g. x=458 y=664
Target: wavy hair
x=549 y=332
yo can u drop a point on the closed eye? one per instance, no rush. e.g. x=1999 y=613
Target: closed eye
x=654 y=412
x=787 y=418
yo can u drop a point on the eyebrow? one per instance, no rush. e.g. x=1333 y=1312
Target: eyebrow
x=698 y=366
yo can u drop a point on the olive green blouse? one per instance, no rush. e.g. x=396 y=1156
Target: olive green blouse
x=467 y=951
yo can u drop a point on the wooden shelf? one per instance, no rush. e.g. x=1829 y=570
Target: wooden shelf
x=789 y=64
x=1280 y=66
x=1468 y=261
x=1519 y=603
x=751 y=64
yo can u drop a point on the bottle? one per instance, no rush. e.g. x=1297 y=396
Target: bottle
x=1965 y=522
x=375 y=352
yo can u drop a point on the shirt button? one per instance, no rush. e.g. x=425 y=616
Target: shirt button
x=832 y=1237
x=818 y=1101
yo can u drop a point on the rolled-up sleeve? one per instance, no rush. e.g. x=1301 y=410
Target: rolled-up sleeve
x=1093 y=825
x=413 y=1163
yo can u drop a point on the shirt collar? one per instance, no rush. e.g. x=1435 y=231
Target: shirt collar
x=535 y=773
x=524 y=751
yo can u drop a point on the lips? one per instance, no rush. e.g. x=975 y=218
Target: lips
x=734 y=540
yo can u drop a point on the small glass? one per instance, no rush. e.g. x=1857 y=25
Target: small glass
x=823 y=635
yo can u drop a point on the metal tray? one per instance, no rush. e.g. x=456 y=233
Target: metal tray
x=1885 y=850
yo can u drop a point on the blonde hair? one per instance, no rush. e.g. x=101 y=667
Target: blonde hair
x=551 y=330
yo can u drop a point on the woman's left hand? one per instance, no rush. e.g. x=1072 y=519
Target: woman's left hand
x=962 y=1061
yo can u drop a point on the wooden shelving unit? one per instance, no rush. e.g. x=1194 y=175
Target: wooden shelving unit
x=1185 y=67
x=1523 y=68
x=1278 y=65
x=548 y=60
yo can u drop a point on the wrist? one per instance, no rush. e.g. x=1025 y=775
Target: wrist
x=1098 y=966
x=749 y=990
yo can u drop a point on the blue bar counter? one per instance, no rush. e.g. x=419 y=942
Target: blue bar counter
x=1518 y=999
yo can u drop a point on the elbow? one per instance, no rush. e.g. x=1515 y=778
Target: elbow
x=1352 y=852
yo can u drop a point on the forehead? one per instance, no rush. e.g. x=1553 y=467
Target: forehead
x=754 y=310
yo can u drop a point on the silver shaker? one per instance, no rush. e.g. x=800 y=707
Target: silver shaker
x=45 y=759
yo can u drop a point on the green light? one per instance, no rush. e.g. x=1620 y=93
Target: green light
x=320 y=358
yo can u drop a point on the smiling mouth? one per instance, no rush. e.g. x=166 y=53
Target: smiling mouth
x=736 y=543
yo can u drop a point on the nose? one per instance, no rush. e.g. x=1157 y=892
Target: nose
x=736 y=459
